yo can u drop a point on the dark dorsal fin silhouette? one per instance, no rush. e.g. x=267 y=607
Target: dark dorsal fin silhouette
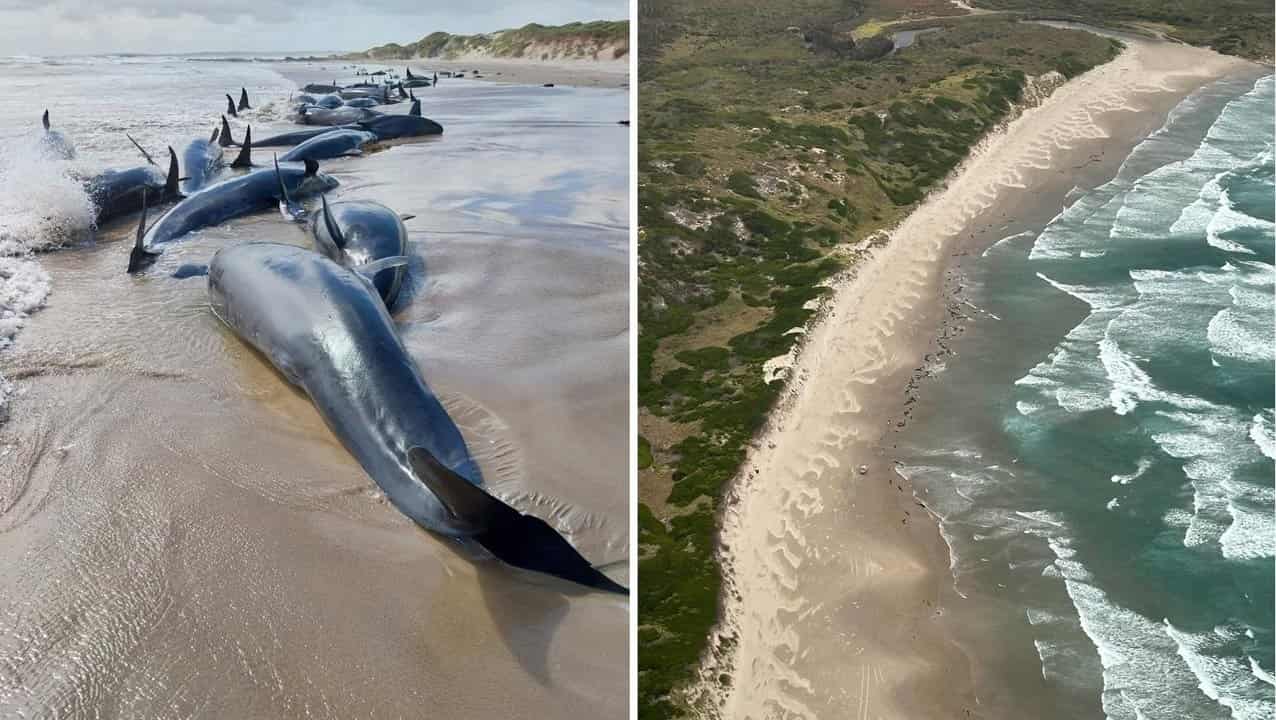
x=245 y=158
x=243 y=99
x=230 y=106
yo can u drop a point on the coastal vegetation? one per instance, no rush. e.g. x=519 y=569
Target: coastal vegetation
x=1232 y=27
x=771 y=157
x=599 y=40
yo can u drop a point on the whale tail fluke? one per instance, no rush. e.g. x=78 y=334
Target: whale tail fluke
x=523 y=541
x=243 y=99
x=170 y=183
x=140 y=257
x=245 y=158
x=226 y=139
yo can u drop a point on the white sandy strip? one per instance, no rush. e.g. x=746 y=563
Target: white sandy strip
x=874 y=329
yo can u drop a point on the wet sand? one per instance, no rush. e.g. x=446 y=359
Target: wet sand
x=838 y=597
x=183 y=537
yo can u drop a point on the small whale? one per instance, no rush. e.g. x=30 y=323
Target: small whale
x=335 y=143
x=116 y=193
x=201 y=160
x=389 y=127
x=340 y=116
x=231 y=198
x=361 y=232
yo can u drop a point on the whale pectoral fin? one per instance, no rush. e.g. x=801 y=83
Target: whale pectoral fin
x=190 y=270
x=370 y=270
x=289 y=209
x=140 y=149
x=331 y=225
x=524 y=541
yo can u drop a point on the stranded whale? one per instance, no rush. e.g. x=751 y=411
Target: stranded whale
x=358 y=233
x=228 y=199
x=324 y=328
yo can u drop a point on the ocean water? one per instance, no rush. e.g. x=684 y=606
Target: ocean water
x=1100 y=452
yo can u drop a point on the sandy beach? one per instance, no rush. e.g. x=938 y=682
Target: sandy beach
x=838 y=598
x=523 y=71
x=185 y=537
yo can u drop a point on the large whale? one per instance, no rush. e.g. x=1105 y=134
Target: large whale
x=336 y=143
x=359 y=232
x=389 y=127
x=363 y=102
x=119 y=192
x=324 y=328
x=219 y=202
x=321 y=88
x=54 y=143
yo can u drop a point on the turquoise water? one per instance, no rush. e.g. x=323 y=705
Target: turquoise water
x=1101 y=449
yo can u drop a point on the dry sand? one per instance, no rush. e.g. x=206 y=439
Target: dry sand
x=838 y=598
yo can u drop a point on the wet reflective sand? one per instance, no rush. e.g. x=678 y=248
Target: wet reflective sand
x=183 y=537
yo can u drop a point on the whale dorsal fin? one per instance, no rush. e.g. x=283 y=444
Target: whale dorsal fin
x=243 y=99
x=170 y=185
x=140 y=257
x=369 y=270
x=230 y=106
x=416 y=108
x=45 y=119
x=334 y=230
x=404 y=217
x=213 y=137
x=409 y=72
x=245 y=158
x=226 y=139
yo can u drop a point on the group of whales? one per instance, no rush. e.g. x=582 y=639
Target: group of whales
x=322 y=318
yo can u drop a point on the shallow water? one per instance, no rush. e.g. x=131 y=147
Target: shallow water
x=1106 y=487
x=184 y=536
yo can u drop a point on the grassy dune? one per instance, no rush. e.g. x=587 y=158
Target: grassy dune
x=601 y=40
x=767 y=163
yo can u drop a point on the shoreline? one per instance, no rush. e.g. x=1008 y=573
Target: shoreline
x=517 y=71
x=874 y=338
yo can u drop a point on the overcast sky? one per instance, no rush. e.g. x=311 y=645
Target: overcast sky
x=44 y=27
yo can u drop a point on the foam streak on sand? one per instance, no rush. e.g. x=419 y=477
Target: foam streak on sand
x=828 y=596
